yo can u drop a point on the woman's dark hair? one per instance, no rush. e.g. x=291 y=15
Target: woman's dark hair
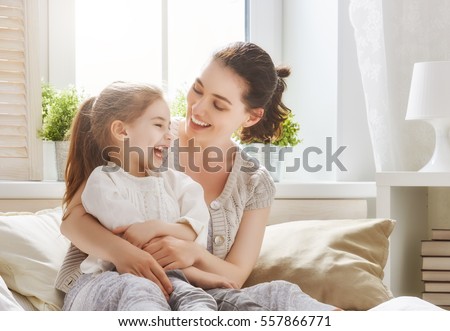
x=265 y=87
x=90 y=133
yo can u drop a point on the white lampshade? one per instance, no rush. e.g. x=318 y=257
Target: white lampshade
x=429 y=100
x=429 y=96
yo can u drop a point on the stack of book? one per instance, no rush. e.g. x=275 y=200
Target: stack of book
x=436 y=268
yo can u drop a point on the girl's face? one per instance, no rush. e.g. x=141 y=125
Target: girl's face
x=149 y=136
x=214 y=106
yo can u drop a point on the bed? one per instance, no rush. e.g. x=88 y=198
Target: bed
x=328 y=247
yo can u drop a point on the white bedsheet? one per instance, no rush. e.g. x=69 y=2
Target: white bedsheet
x=406 y=303
x=7 y=301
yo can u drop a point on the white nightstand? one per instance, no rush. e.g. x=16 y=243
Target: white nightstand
x=403 y=196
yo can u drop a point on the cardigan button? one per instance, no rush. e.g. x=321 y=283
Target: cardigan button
x=215 y=205
x=219 y=240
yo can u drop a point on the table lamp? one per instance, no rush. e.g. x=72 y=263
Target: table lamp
x=429 y=100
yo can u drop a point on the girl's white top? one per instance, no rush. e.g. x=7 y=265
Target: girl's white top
x=117 y=198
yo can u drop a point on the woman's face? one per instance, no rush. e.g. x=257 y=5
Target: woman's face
x=214 y=106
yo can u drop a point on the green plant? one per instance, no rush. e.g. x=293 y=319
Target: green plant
x=48 y=95
x=179 y=105
x=288 y=137
x=58 y=110
x=289 y=133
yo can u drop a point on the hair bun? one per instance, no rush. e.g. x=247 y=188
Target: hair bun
x=283 y=72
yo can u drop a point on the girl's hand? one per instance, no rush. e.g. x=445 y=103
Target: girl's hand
x=214 y=281
x=172 y=253
x=138 y=262
x=207 y=280
x=139 y=234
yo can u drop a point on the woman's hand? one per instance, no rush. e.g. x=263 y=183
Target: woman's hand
x=138 y=262
x=172 y=253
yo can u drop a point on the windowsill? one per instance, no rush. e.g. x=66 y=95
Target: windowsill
x=285 y=190
x=31 y=190
x=325 y=190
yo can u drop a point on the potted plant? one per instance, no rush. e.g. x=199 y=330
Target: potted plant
x=289 y=133
x=58 y=110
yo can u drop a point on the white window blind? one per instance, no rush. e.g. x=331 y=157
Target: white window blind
x=20 y=93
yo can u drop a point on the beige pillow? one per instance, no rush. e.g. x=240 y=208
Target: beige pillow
x=32 y=250
x=339 y=262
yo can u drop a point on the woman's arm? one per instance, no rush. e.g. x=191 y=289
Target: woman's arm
x=90 y=236
x=242 y=257
x=173 y=254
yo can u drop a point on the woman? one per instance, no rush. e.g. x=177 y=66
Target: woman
x=239 y=90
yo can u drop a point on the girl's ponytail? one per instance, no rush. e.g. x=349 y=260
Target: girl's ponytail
x=84 y=155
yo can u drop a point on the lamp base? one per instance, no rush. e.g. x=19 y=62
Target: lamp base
x=440 y=161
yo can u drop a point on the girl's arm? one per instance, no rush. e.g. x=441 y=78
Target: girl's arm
x=90 y=236
x=173 y=254
x=139 y=234
x=206 y=280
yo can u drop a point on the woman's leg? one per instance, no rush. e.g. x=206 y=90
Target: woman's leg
x=111 y=291
x=280 y=295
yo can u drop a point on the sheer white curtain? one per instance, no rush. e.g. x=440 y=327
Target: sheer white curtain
x=391 y=35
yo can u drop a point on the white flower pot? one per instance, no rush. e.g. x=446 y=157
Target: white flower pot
x=62 y=149
x=269 y=158
x=49 y=160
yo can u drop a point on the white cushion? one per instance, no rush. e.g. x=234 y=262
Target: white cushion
x=32 y=252
x=7 y=300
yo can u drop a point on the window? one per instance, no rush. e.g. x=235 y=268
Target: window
x=93 y=42
x=20 y=148
x=90 y=43
x=164 y=42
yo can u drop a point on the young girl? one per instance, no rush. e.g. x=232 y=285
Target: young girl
x=127 y=126
x=241 y=90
